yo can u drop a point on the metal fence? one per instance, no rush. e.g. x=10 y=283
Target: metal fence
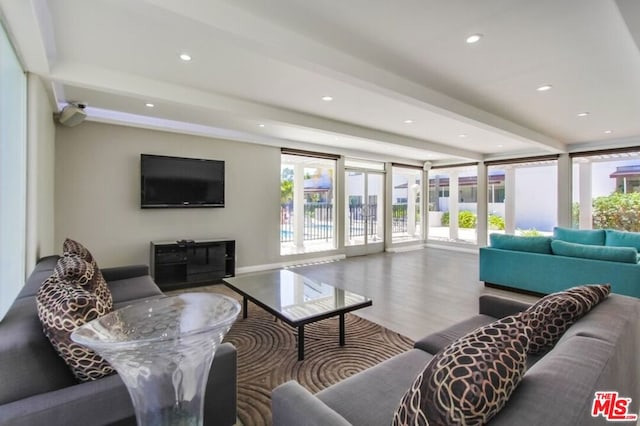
x=318 y=220
x=358 y=225
x=399 y=218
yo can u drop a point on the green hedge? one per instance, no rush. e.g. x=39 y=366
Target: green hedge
x=466 y=219
x=496 y=222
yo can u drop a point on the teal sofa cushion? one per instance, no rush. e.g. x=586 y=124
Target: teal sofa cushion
x=622 y=239
x=515 y=242
x=612 y=254
x=595 y=237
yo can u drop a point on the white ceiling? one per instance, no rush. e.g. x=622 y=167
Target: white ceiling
x=270 y=62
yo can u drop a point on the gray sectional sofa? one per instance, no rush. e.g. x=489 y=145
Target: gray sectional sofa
x=37 y=387
x=600 y=352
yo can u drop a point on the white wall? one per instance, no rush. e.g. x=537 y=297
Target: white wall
x=40 y=173
x=97 y=197
x=537 y=197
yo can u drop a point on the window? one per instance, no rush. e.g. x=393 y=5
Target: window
x=523 y=197
x=453 y=219
x=13 y=157
x=307 y=203
x=406 y=223
x=606 y=191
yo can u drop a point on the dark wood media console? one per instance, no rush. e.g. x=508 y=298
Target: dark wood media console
x=180 y=264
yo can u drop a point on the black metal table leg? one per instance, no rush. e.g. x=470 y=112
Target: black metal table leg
x=300 y=342
x=341 y=329
x=244 y=307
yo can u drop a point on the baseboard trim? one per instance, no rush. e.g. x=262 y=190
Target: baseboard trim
x=400 y=249
x=279 y=265
x=473 y=250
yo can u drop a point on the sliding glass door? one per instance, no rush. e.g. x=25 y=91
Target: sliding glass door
x=364 y=212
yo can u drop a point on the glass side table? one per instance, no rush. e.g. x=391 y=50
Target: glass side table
x=163 y=349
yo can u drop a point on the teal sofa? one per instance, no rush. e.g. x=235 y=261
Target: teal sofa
x=543 y=265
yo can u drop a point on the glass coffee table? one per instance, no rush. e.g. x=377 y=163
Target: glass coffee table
x=296 y=299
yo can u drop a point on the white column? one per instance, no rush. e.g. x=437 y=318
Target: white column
x=454 y=194
x=481 y=226
x=415 y=191
x=586 y=209
x=411 y=206
x=509 y=200
x=565 y=184
x=380 y=207
x=298 y=206
x=388 y=196
x=425 y=200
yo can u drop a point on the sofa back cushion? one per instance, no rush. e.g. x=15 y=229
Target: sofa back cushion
x=595 y=237
x=611 y=254
x=29 y=364
x=536 y=244
x=622 y=239
x=470 y=380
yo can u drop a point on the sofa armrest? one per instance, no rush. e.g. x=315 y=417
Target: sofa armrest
x=124 y=272
x=107 y=401
x=220 y=406
x=500 y=307
x=293 y=405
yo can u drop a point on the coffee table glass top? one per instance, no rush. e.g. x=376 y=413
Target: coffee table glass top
x=294 y=296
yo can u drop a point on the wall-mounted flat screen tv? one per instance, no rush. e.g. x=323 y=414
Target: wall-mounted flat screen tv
x=180 y=182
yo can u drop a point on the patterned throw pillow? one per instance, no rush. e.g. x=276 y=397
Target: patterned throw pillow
x=73 y=247
x=469 y=381
x=65 y=302
x=552 y=315
x=85 y=273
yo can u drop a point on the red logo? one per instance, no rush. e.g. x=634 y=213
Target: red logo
x=612 y=407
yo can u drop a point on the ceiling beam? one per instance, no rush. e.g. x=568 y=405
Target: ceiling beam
x=31 y=29
x=108 y=81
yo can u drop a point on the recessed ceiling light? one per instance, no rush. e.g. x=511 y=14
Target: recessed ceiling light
x=608 y=132
x=474 y=38
x=500 y=146
x=544 y=88
x=185 y=57
x=327 y=98
x=583 y=114
x=260 y=125
x=149 y=105
x=408 y=121
x=462 y=135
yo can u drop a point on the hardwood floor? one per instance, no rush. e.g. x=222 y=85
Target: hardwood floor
x=414 y=293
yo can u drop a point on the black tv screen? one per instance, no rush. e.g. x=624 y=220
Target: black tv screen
x=181 y=182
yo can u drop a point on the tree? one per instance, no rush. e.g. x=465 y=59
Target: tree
x=286 y=191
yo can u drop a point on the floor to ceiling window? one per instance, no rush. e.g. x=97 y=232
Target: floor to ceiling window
x=13 y=173
x=522 y=196
x=606 y=190
x=406 y=219
x=453 y=204
x=307 y=202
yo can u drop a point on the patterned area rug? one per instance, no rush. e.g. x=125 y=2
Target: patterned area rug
x=268 y=357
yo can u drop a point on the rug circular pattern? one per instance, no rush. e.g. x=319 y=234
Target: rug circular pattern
x=268 y=355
